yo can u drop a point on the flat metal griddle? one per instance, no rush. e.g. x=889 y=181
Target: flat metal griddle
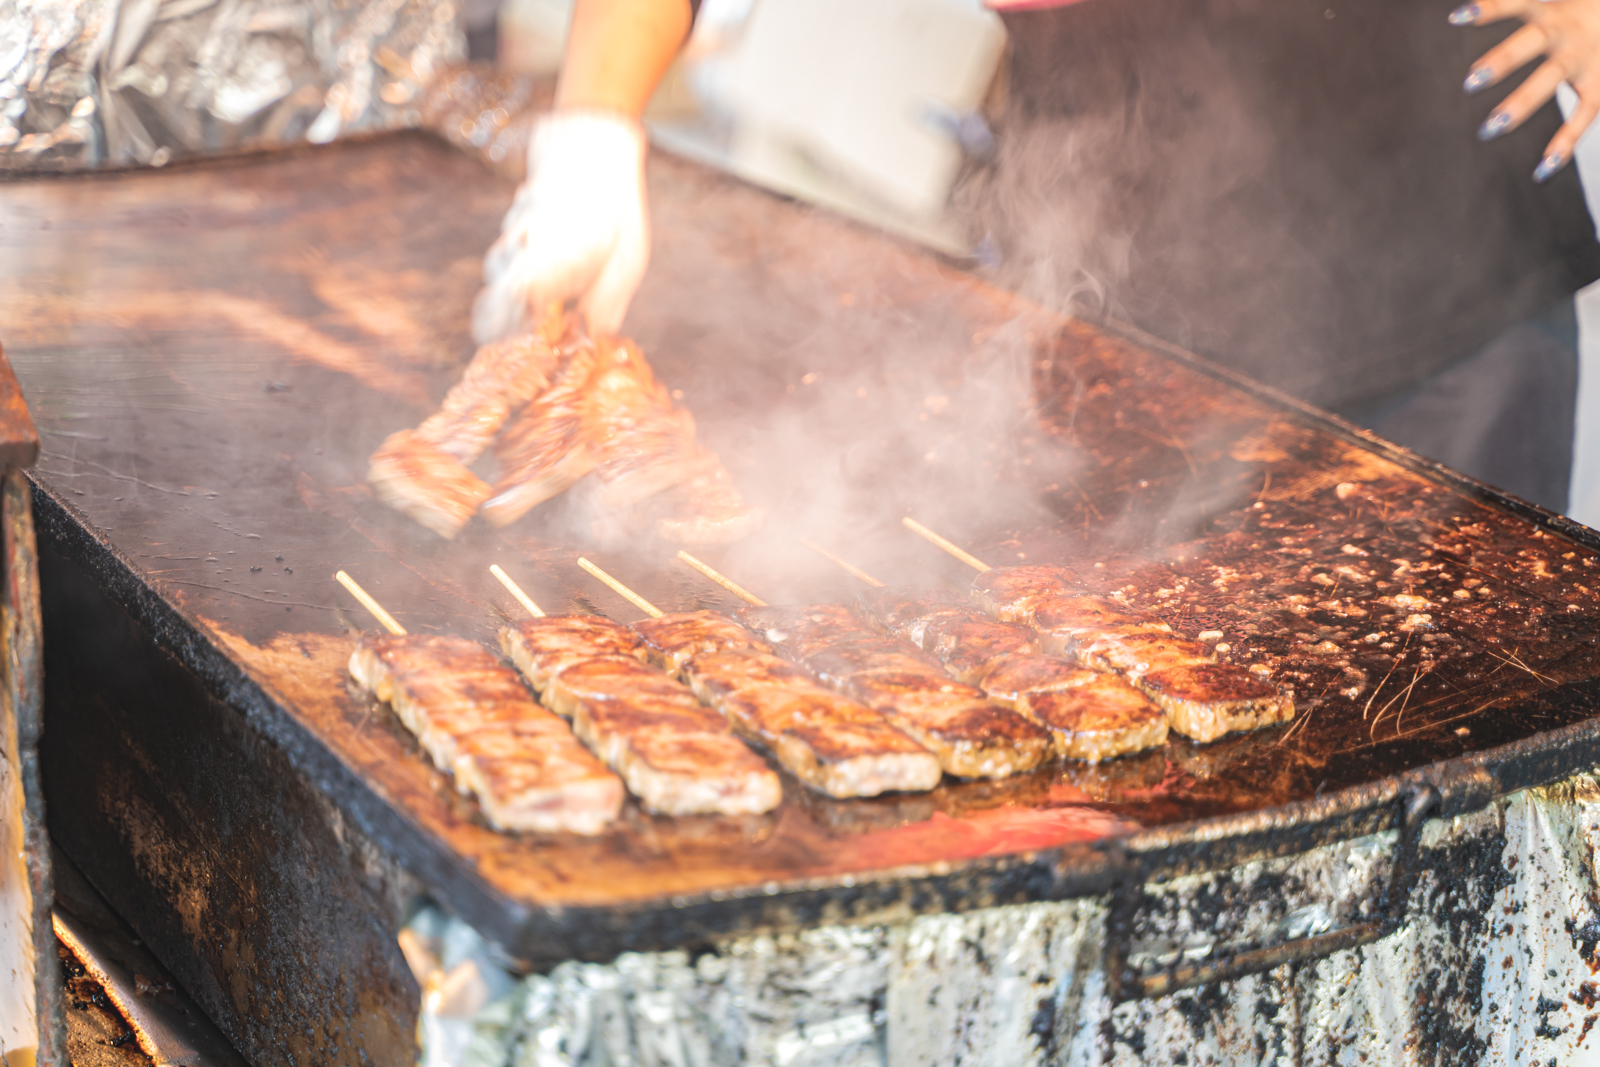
x=212 y=352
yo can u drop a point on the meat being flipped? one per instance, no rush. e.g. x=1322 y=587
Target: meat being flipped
x=560 y=405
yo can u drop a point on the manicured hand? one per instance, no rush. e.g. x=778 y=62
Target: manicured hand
x=1567 y=34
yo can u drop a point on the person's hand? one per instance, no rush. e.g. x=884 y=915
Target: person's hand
x=577 y=229
x=1567 y=34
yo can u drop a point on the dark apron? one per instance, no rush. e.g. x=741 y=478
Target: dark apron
x=1291 y=187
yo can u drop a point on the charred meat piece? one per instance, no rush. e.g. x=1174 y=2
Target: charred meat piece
x=1136 y=654
x=1205 y=701
x=803 y=630
x=542 y=648
x=535 y=775
x=837 y=663
x=643 y=445
x=502 y=377
x=971 y=737
x=902 y=613
x=680 y=772
x=1017 y=676
x=473 y=717
x=543 y=453
x=1010 y=594
x=1065 y=623
x=971 y=648
x=1100 y=717
x=626 y=679
x=424 y=483
x=677 y=636
x=676 y=756
x=831 y=743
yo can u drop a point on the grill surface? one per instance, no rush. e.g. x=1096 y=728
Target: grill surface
x=212 y=352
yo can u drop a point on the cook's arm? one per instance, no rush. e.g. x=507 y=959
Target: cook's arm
x=1567 y=34
x=578 y=228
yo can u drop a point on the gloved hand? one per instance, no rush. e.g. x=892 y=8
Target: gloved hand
x=578 y=227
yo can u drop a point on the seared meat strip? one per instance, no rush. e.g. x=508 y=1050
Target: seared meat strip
x=676 y=756
x=422 y=482
x=1011 y=593
x=643 y=444
x=970 y=736
x=1065 y=623
x=502 y=377
x=543 y=453
x=1136 y=654
x=543 y=647
x=1103 y=717
x=422 y=473
x=971 y=648
x=677 y=636
x=1205 y=701
x=831 y=743
x=1017 y=676
x=1202 y=699
x=1100 y=717
x=474 y=718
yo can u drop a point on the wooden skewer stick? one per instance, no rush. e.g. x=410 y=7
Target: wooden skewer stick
x=723 y=580
x=516 y=590
x=621 y=590
x=367 y=602
x=965 y=557
x=854 y=572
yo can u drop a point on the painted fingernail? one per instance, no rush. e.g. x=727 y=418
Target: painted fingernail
x=1478 y=79
x=1549 y=165
x=1465 y=15
x=1494 y=126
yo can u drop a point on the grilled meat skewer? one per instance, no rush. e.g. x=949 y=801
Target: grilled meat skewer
x=833 y=744
x=423 y=473
x=475 y=719
x=677 y=757
x=971 y=737
x=1203 y=699
x=1090 y=716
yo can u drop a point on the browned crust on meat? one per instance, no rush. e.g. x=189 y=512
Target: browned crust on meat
x=675 y=755
x=829 y=742
x=424 y=483
x=1206 y=701
x=972 y=737
x=1011 y=593
x=971 y=648
x=1100 y=719
x=1065 y=624
x=641 y=694
x=680 y=772
x=544 y=647
x=476 y=720
x=675 y=637
x=1135 y=654
x=529 y=777
x=1017 y=675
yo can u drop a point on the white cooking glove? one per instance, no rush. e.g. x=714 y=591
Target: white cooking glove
x=578 y=227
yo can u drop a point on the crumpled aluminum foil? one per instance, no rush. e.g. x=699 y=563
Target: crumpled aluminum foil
x=93 y=83
x=1496 y=964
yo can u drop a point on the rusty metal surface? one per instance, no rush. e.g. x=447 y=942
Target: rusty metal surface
x=212 y=352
